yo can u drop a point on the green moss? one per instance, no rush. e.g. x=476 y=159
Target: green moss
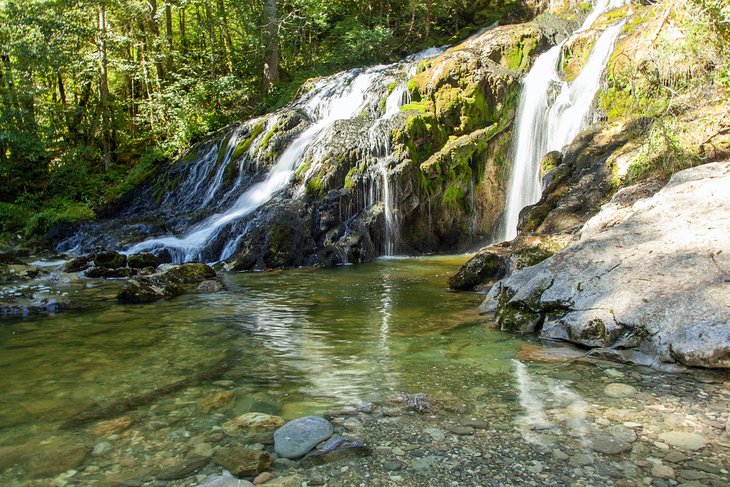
x=268 y=136
x=315 y=187
x=415 y=106
x=414 y=90
x=351 y=178
x=66 y=212
x=223 y=148
x=245 y=145
x=391 y=87
x=304 y=167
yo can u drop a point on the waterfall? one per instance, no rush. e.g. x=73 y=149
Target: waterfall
x=546 y=122
x=344 y=96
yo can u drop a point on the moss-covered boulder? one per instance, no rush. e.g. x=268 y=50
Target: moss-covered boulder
x=486 y=266
x=78 y=264
x=143 y=260
x=140 y=291
x=110 y=273
x=110 y=260
x=190 y=273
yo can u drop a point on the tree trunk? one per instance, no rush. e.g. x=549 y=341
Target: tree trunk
x=104 y=91
x=211 y=36
x=168 y=34
x=271 y=62
x=226 y=35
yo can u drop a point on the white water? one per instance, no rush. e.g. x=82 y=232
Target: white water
x=545 y=122
x=340 y=97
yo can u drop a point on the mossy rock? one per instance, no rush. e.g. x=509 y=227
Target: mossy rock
x=485 y=266
x=139 y=291
x=111 y=260
x=109 y=273
x=78 y=264
x=189 y=273
x=143 y=260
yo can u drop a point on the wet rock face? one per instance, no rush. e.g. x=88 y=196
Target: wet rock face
x=617 y=288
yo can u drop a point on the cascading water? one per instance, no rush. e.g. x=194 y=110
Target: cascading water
x=340 y=97
x=545 y=122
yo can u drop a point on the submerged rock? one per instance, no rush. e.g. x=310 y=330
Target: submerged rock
x=243 y=462
x=617 y=287
x=254 y=427
x=296 y=438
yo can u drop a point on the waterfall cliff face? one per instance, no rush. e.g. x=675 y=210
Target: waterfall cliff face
x=405 y=158
x=552 y=112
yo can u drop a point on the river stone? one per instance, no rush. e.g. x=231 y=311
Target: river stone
x=662 y=471
x=183 y=469
x=622 y=433
x=299 y=436
x=254 y=427
x=222 y=481
x=77 y=264
x=619 y=390
x=436 y=434
x=683 y=440
x=242 y=461
x=605 y=443
x=116 y=425
x=210 y=286
x=54 y=459
x=139 y=291
x=336 y=449
x=216 y=401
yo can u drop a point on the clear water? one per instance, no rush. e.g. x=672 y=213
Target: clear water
x=310 y=340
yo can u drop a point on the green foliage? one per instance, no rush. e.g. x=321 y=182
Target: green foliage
x=60 y=211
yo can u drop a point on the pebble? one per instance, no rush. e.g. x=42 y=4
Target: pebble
x=102 y=448
x=299 y=436
x=675 y=457
x=462 y=430
x=398 y=451
x=581 y=460
x=605 y=443
x=262 y=478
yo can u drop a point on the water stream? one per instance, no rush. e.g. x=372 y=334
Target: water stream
x=551 y=112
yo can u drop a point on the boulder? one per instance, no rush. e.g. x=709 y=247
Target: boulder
x=143 y=260
x=296 y=438
x=111 y=260
x=140 y=291
x=190 y=273
x=78 y=264
x=110 y=273
x=617 y=286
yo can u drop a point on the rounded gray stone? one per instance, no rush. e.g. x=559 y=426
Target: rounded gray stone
x=296 y=438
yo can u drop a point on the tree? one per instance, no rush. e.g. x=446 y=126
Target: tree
x=271 y=61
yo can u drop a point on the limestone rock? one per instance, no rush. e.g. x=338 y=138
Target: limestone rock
x=618 y=390
x=299 y=436
x=617 y=286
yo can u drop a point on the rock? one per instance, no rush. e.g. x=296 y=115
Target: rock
x=117 y=425
x=190 y=273
x=618 y=390
x=254 y=427
x=599 y=285
x=216 y=401
x=143 y=260
x=336 y=449
x=262 y=478
x=605 y=443
x=462 y=430
x=210 y=286
x=77 y=264
x=485 y=266
x=436 y=434
x=183 y=469
x=283 y=464
x=140 y=291
x=102 y=448
x=423 y=466
x=110 y=273
x=683 y=440
x=242 y=461
x=298 y=437
x=222 y=481
x=393 y=465
x=289 y=481
x=675 y=457
x=50 y=460
x=622 y=433
x=581 y=460
x=662 y=471
x=110 y=260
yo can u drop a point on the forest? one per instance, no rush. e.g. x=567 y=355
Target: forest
x=96 y=94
